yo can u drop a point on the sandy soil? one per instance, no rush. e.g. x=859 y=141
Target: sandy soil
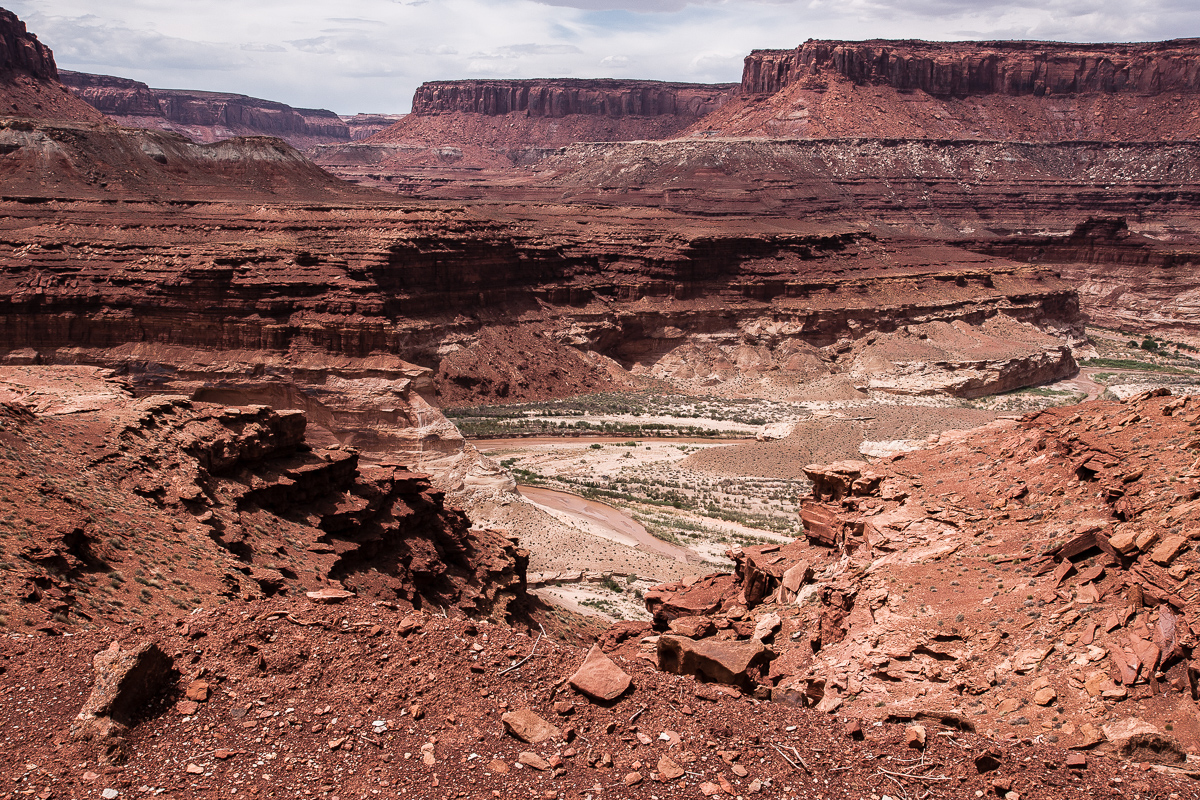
x=621 y=527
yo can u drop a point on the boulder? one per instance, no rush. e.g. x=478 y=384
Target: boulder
x=600 y=678
x=124 y=684
x=1168 y=550
x=529 y=727
x=1136 y=739
x=733 y=663
x=693 y=627
x=766 y=627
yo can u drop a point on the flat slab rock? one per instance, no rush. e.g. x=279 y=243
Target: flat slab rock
x=718 y=661
x=529 y=727
x=329 y=595
x=600 y=678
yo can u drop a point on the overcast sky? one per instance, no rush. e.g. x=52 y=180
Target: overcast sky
x=369 y=55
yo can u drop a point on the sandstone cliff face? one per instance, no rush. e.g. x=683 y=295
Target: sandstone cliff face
x=20 y=51
x=205 y=116
x=975 y=68
x=29 y=84
x=562 y=97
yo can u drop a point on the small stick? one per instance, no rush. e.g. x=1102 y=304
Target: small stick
x=914 y=777
x=783 y=755
x=526 y=658
x=638 y=713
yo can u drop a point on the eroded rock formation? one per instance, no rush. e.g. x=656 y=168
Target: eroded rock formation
x=205 y=116
x=564 y=96
x=958 y=69
x=132 y=483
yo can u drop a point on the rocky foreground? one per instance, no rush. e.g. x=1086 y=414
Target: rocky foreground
x=1028 y=580
x=197 y=600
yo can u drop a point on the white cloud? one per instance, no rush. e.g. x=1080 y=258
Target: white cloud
x=373 y=53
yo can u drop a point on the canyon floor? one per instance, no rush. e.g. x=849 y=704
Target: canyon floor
x=738 y=479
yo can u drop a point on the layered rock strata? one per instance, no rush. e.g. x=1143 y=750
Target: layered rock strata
x=204 y=116
x=565 y=96
x=959 y=69
x=722 y=307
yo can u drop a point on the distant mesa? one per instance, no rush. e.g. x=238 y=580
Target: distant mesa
x=562 y=97
x=212 y=116
x=959 y=69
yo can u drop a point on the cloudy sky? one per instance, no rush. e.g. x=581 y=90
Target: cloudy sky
x=369 y=55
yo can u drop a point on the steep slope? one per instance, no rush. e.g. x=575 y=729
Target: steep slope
x=29 y=84
x=205 y=116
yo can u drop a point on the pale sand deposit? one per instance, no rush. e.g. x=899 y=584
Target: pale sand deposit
x=610 y=522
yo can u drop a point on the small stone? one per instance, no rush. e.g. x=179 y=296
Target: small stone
x=187 y=707
x=195 y=769
x=740 y=771
x=533 y=761
x=198 y=691
x=1044 y=697
x=668 y=769
x=529 y=727
x=709 y=789
x=110 y=794
x=643 y=739
x=1008 y=705
x=633 y=779
x=988 y=760
x=1076 y=760
x=1168 y=550
x=600 y=678
x=498 y=767
x=914 y=736
x=854 y=729
x=564 y=708
x=1124 y=543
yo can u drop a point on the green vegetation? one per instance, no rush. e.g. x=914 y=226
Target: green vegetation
x=1131 y=364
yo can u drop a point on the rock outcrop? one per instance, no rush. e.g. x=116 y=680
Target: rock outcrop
x=20 y=51
x=205 y=116
x=262 y=511
x=959 y=69
x=497 y=124
x=566 y=96
x=29 y=77
x=1037 y=574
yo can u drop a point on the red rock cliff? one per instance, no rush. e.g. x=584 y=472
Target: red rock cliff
x=20 y=51
x=561 y=97
x=961 y=69
x=205 y=116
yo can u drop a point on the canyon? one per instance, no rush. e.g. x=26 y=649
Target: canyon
x=234 y=386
